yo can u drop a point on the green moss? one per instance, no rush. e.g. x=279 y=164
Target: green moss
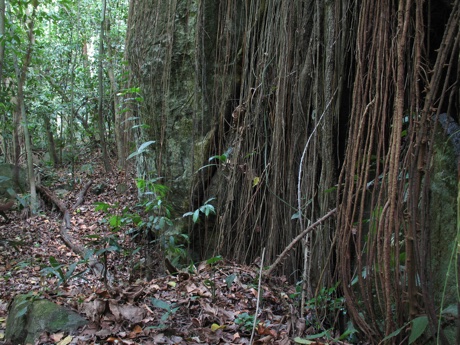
x=443 y=220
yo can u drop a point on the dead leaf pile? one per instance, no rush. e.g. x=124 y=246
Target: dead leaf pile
x=207 y=304
x=199 y=307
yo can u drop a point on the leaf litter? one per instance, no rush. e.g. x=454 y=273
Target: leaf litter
x=201 y=304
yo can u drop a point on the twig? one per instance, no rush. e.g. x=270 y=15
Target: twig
x=297 y=239
x=258 y=297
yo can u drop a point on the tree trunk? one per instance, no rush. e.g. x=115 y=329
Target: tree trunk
x=101 y=124
x=308 y=105
x=2 y=42
x=51 y=144
x=22 y=76
x=119 y=124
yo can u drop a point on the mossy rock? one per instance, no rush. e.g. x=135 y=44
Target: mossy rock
x=7 y=181
x=29 y=317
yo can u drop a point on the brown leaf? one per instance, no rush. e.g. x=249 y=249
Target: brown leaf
x=127 y=312
x=56 y=336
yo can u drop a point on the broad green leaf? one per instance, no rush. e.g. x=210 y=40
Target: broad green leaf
x=214 y=260
x=394 y=334
x=161 y=304
x=100 y=251
x=296 y=215
x=209 y=200
x=162 y=223
x=196 y=214
x=71 y=269
x=145 y=145
x=221 y=158
x=115 y=221
x=102 y=206
x=4 y=178
x=54 y=263
x=230 y=279
x=330 y=190
x=141 y=149
x=304 y=341
x=418 y=327
x=113 y=249
x=451 y=310
x=210 y=209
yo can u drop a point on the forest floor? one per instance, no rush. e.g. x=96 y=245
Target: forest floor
x=211 y=302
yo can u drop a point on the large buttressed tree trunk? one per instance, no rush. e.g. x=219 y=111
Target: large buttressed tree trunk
x=280 y=128
x=309 y=105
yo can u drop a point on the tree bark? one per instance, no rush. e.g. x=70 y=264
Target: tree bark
x=2 y=42
x=51 y=143
x=22 y=76
x=118 y=115
x=101 y=124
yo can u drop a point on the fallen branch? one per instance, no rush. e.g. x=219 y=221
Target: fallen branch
x=280 y=258
x=95 y=265
x=81 y=195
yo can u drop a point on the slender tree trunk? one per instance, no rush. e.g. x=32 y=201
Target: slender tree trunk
x=458 y=252
x=30 y=163
x=2 y=55
x=101 y=93
x=118 y=116
x=51 y=144
x=2 y=42
x=21 y=111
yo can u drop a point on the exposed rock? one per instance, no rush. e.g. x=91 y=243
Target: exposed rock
x=61 y=192
x=452 y=130
x=29 y=317
x=443 y=215
x=122 y=188
x=99 y=189
x=7 y=181
x=176 y=110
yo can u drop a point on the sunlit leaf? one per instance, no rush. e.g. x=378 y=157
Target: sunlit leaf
x=214 y=260
x=215 y=327
x=196 y=215
x=102 y=206
x=141 y=149
x=296 y=215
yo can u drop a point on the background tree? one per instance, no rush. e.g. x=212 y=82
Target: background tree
x=101 y=122
x=21 y=71
x=61 y=89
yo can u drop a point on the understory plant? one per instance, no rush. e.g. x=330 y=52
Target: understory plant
x=149 y=227
x=64 y=273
